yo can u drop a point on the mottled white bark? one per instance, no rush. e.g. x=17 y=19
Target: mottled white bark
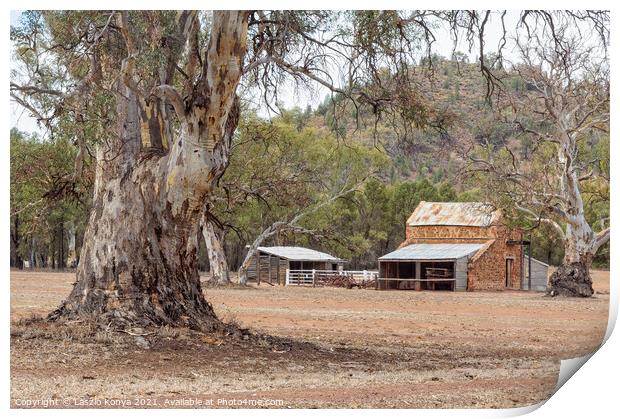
x=581 y=242
x=218 y=266
x=71 y=249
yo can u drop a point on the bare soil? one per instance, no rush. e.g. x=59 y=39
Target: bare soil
x=339 y=348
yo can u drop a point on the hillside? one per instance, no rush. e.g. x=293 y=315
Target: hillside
x=454 y=94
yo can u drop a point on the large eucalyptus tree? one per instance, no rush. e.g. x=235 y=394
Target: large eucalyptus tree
x=159 y=91
x=155 y=170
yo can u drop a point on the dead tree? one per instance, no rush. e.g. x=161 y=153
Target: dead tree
x=563 y=110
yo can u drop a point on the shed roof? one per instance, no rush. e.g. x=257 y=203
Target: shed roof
x=433 y=251
x=476 y=214
x=299 y=253
x=536 y=261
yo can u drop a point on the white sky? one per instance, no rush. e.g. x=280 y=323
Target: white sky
x=20 y=118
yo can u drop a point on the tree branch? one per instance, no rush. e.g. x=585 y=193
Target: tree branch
x=172 y=95
x=600 y=239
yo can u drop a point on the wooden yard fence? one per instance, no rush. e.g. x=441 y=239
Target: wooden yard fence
x=317 y=277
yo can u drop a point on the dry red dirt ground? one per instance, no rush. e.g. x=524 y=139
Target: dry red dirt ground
x=350 y=348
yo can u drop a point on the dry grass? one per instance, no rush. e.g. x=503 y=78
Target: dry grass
x=370 y=349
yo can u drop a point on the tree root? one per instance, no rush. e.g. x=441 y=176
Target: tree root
x=127 y=320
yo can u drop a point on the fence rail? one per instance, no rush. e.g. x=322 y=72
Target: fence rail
x=316 y=277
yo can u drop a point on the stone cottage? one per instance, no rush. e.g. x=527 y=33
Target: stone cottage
x=455 y=246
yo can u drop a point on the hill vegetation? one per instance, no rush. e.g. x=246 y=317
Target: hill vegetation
x=299 y=159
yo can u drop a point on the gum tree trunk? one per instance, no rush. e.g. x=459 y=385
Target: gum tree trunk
x=138 y=262
x=572 y=278
x=581 y=243
x=218 y=266
x=33 y=253
x=71 y=249
x=15 y=240
x=245 y=265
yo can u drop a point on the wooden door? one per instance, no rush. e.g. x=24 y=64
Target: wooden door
x=509 y=265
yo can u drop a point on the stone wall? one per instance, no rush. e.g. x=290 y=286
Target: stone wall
x=450 y=232
x=487 y=268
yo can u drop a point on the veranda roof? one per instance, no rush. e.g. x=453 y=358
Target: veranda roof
x=434 y=251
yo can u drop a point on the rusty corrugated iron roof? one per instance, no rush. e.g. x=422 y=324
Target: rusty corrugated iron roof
x=476 y=214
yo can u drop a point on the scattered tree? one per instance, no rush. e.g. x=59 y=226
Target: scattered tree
x=565 y=114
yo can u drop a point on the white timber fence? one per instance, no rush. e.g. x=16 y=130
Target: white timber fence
x=314 y=277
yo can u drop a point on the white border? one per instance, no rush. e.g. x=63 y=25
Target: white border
x=593 y=390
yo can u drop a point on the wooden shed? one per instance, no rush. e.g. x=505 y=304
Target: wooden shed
x=425 y=266
x=271 y=263
x=538 y=280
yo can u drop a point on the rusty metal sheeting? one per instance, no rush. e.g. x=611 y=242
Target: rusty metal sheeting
x=438 y=251
x=475 y=214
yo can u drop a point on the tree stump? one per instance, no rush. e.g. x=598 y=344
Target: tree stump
x=571 y=280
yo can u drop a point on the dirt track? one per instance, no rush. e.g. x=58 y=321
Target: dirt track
x=376 y=349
